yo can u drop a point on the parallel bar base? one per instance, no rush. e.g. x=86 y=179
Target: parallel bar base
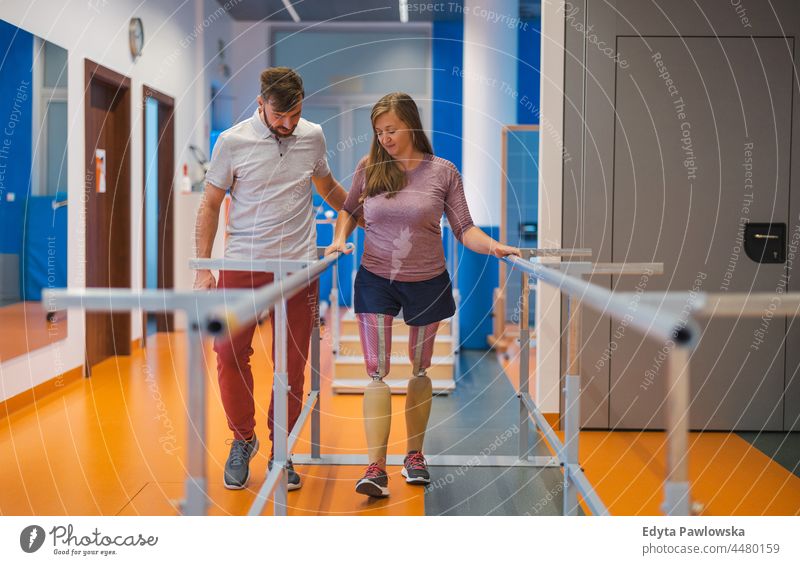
x=579 y=479
x=676 y=499
x=590 y=497
x=433 y=460
x=311 y=401
x=196 y=501
x=543 y=425
x=263 y=495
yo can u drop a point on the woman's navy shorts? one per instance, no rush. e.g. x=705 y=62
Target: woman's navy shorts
x=423 y=302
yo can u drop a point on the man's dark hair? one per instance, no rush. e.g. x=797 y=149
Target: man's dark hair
x=281 y=87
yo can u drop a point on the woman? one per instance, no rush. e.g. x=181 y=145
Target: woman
x=401 y=190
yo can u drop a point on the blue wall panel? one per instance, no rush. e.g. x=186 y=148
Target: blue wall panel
x=477 y=279
x=447 y=57
x=528 y=64
x=16 y=86
x=44 y=258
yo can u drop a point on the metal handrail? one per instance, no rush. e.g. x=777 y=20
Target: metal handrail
x=646 y=318
x=669 y=326
x=243 y=311
x=203 y=311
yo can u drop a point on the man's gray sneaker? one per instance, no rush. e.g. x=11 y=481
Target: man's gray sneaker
x=293 y=479
x=237 y=467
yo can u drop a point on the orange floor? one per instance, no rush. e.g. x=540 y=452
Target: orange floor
x=728 y=475
x=30 y=318
x=115 y=444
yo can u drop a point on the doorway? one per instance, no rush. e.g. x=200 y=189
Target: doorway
x=159 y=166
x=107 y=198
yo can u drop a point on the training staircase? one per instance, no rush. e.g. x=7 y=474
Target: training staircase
x=349 y=372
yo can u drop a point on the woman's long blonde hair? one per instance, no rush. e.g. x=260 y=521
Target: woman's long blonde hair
x=383 y=174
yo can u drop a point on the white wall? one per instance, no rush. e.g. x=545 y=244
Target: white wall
x=178 y=36
x=548 y=303
x=213 y=24
x=249 y=49
x=490 y=103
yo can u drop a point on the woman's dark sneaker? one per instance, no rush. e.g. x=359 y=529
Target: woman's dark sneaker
x=237 y=467
x=375 y=482
x=292 y=478
x=415 y=470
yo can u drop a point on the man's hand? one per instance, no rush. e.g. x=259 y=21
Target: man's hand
x=204 y=280
x=204 y=231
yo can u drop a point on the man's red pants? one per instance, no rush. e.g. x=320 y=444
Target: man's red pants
x=233 y=355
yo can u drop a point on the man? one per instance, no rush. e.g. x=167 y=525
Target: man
x=267 y=162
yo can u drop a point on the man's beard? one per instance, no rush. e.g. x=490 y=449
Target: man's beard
x=273 y=130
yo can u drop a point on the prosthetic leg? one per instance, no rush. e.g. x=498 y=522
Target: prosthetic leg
x=418 y=401
x=418 y=396
x=376 y=342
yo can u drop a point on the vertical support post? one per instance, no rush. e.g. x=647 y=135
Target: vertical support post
x=280 y=392
x=676 y=488
x=334 y=309
x=315 y=380
x=195 y=501
x=354 y=269
x=571 y=429
x=455 y=328
x=524 y=363
x=571 y=418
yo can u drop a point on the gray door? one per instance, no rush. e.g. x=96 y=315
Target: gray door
x=679 y=122
x=701 y=147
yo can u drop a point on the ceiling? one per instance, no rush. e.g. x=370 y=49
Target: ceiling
x=359 y=10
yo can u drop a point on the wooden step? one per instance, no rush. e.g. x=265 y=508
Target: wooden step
x=352 y=367
x=397 y=386
x=349 y=326
x=350 y=345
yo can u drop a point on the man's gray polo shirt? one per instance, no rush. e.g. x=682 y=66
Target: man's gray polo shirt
x=271 y=214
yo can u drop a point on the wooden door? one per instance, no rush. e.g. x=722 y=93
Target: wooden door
x=107 y=214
